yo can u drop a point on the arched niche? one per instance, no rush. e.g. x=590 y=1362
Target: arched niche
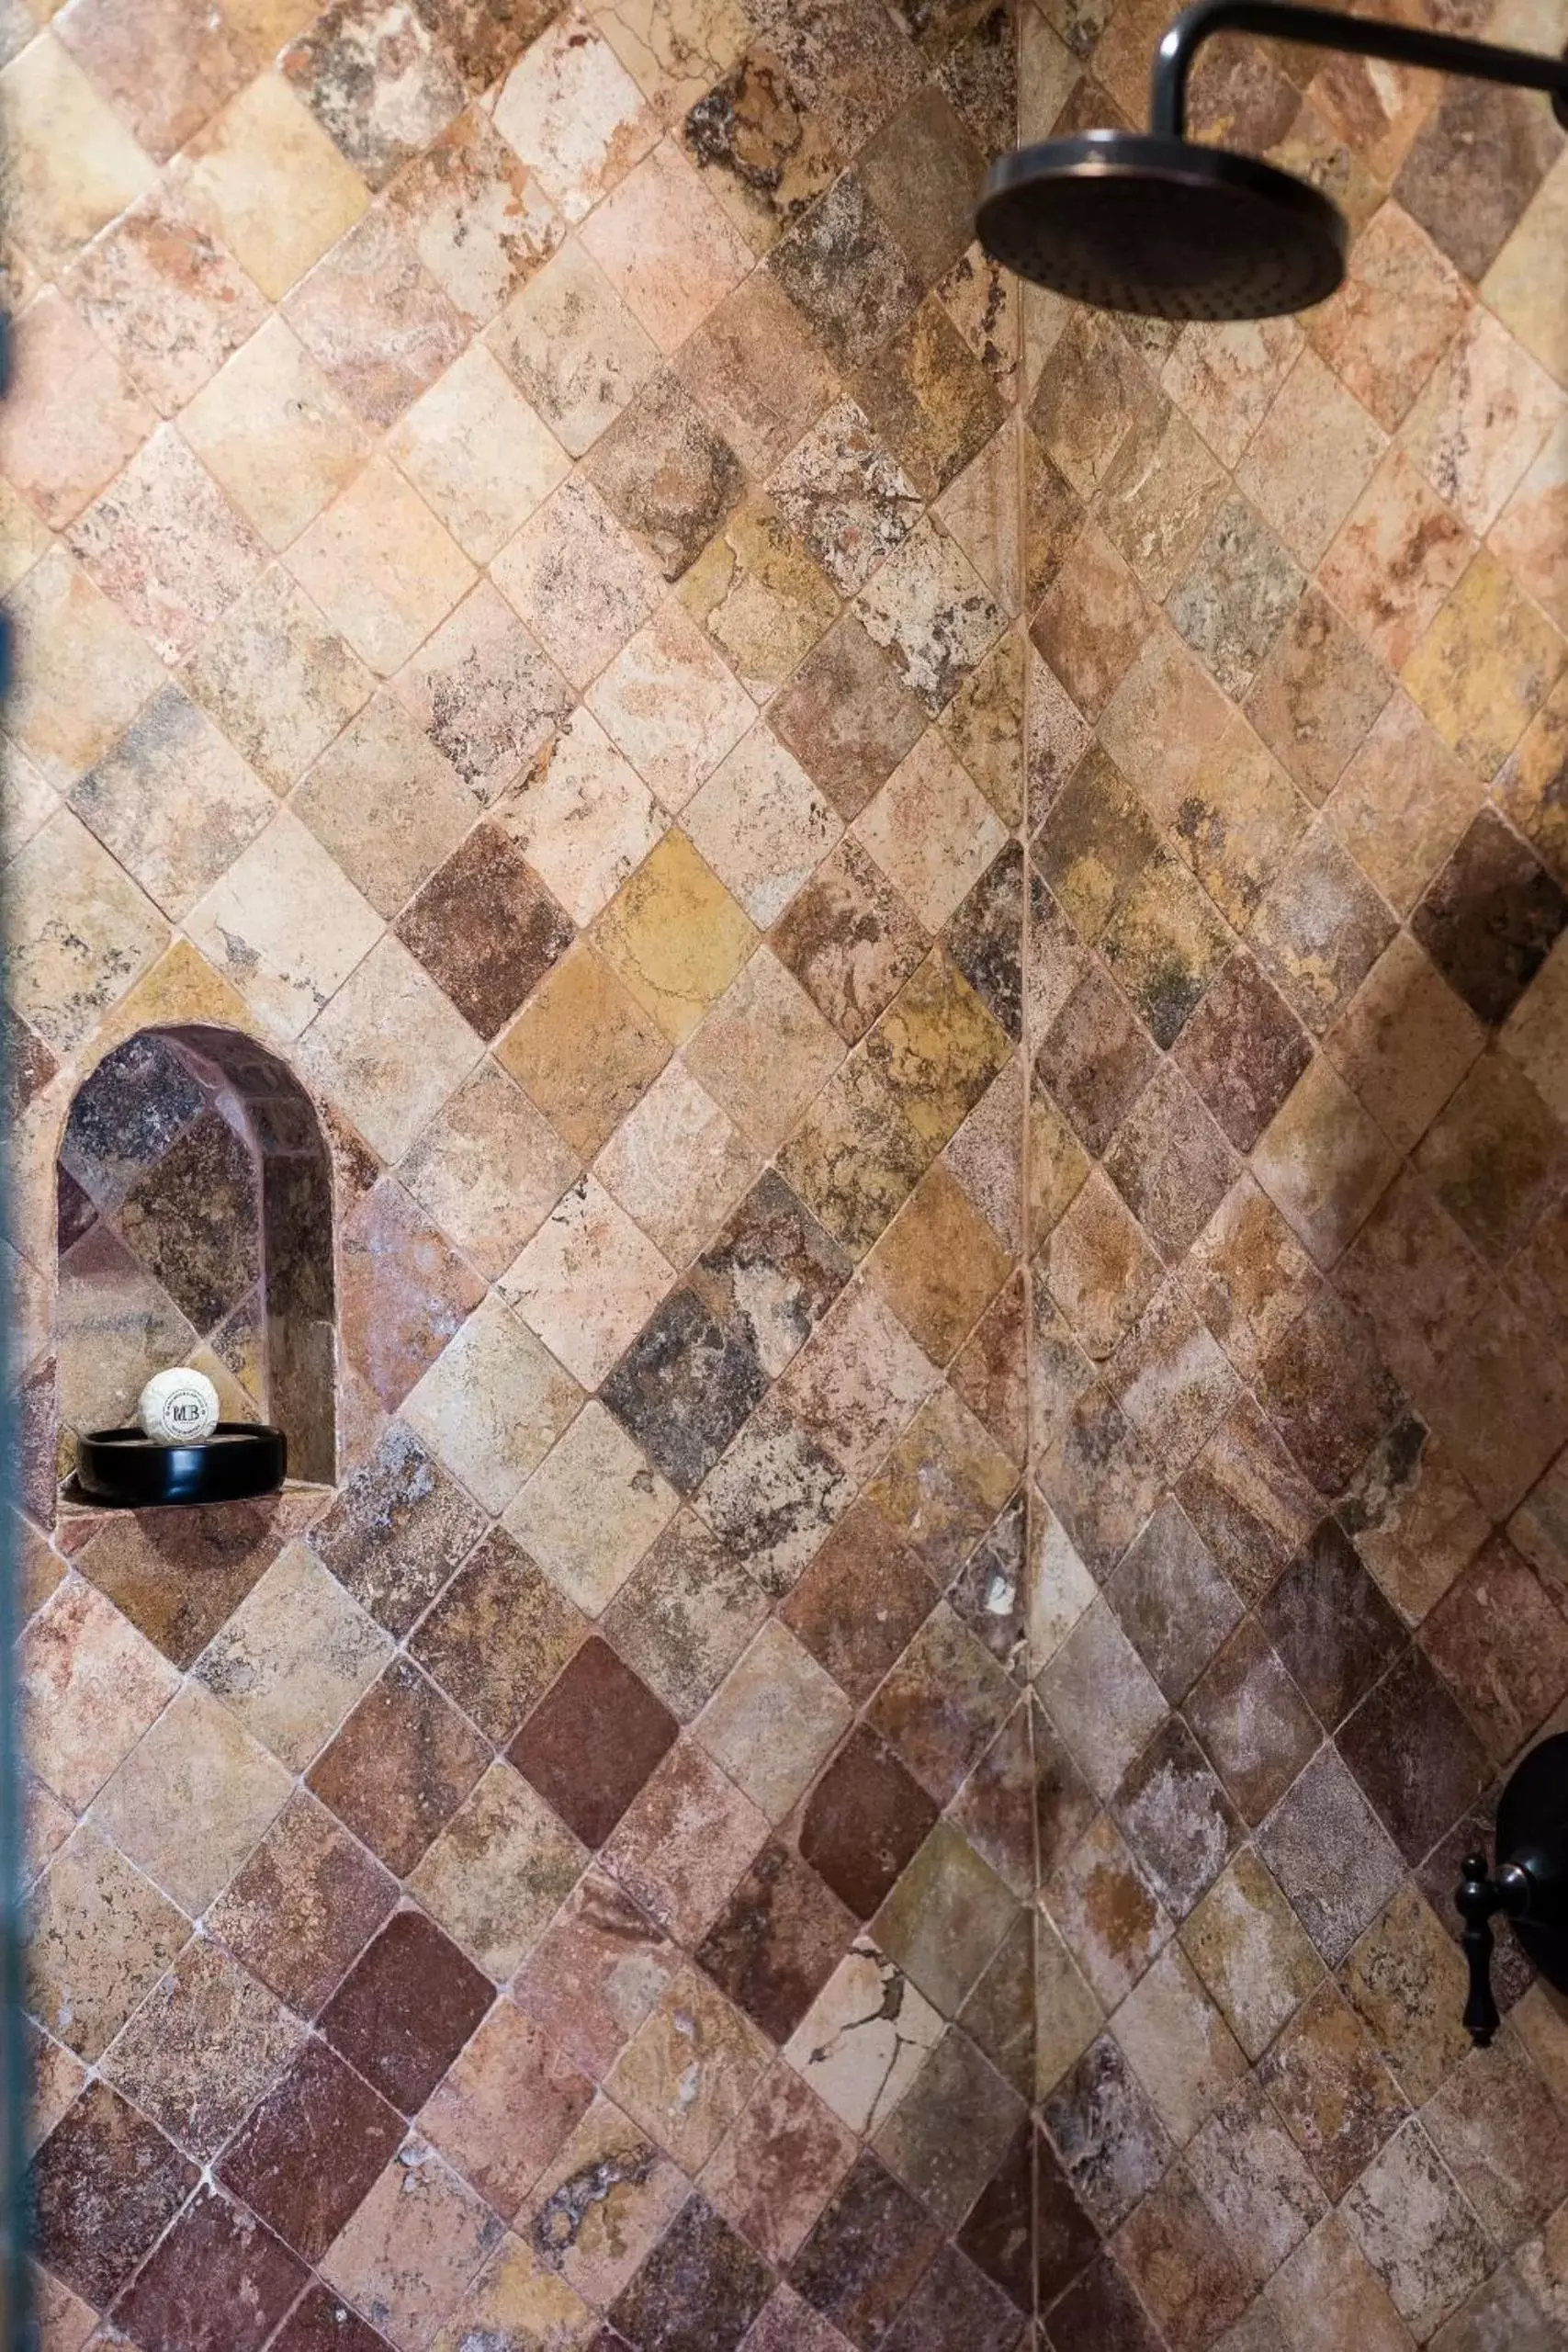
x=195 y=1225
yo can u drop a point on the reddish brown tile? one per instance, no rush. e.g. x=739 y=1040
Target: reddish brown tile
x=1182 y=2265
x=1247 y=1500
x=105 y=2185
x=312 y=2150
x=595 y=1975
x=1096 y=1059
x=219 y=2282
x=1415 y=1756
x=406 y=2008
x=863 y=1822
x=486 y=929
x=866 y=2255
x=777 y=1941
x=942 y=1704
x=320 y=2322
x=1501 y=1648
x=1330 y=1624
x=1100 y=2312
x=698 y=2291
x=1254 y=1723
x=401 y=1766
x=1328 y=1392
x=179 y=1575
x=405 y=1291
x=593 y=1741
x=398 y=1530
x=863 y=1598
x=498 y=1636
x=955 y=2303
x=1243 y=1050
x=304 y=1905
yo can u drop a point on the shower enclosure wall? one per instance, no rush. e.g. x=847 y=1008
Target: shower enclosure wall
x=924 y=930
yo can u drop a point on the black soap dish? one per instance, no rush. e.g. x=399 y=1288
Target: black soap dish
x=240 y=1458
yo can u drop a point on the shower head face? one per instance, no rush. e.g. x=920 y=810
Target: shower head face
x=1130 y=221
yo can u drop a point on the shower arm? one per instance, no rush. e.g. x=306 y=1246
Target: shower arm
x=1357 y=36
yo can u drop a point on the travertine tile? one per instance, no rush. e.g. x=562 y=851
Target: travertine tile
x=275 y=186
x=391 y=1047
x=381 y=567
x=575 y=117
x=588 y=1280
x=77 y=166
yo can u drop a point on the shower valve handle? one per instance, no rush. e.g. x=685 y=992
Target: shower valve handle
x=1477 y=1898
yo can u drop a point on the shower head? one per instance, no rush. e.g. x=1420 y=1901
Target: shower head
x=1127 y=220
x=1150 y=221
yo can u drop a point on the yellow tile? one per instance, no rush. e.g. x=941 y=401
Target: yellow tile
x=1528 y=283
x=1530 y=788
x=1485 y=667
x=938 y=1265
x=854 y=1158
x=675 y=935
x=583 y=1050
x=276 y=189
x=938 y=1048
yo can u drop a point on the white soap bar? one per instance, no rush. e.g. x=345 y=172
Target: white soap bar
x=177 y=1408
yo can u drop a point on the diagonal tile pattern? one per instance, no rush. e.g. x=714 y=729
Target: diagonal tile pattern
x=812 y=829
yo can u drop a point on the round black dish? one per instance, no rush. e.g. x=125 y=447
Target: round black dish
x=238 y=1459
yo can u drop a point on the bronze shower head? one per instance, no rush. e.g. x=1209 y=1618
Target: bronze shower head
x=1150 y=221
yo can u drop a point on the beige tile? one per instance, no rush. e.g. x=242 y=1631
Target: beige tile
x=666 y=246
x=584 y=1048
x=775 y=1720
x=1399 y=552
x=573 y=347
x=23 y=539
x=278 y=681
x=587 y=1281
x=1528 y=535
x=60 y=453
x=82 y=672
x=488 y=1169
x=1222 y=378
x=190 y=1803
x=381 y=567
x=1177 y=2044
x=273 y=433
x=1524 y=283
x=931 y=831
x=688 y=2071
x=1310 y=459
x=73 y=164
x=273 y=185
x=575 y=116
x=865 y=2038
x=99 y=1936
x=676 y=1164
x=80 y=932
x=673 y=50
x=173 y=801
x=385 y=804
x=166 y=544
x=599 y=2250
x=295 y=1657
x=930 y=608
x=499 y=1872
x=478 y=222
x=582 y=817
x=1401 y=304
x=412 y=2247
x=670 y=706
x=492 y=1403
x=284 y=925
x=484 y=692
x=477 y=454
x=588 y=1514
x=764 y=1051
x=1481 y=420
x=579 y=582
x=761 y=825
x=518 y=2299
x=390 y=1049
x=89 y=1685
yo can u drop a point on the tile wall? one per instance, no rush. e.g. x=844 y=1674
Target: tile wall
x=520 y=613
x=1298 y=993
x=946 y=1519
